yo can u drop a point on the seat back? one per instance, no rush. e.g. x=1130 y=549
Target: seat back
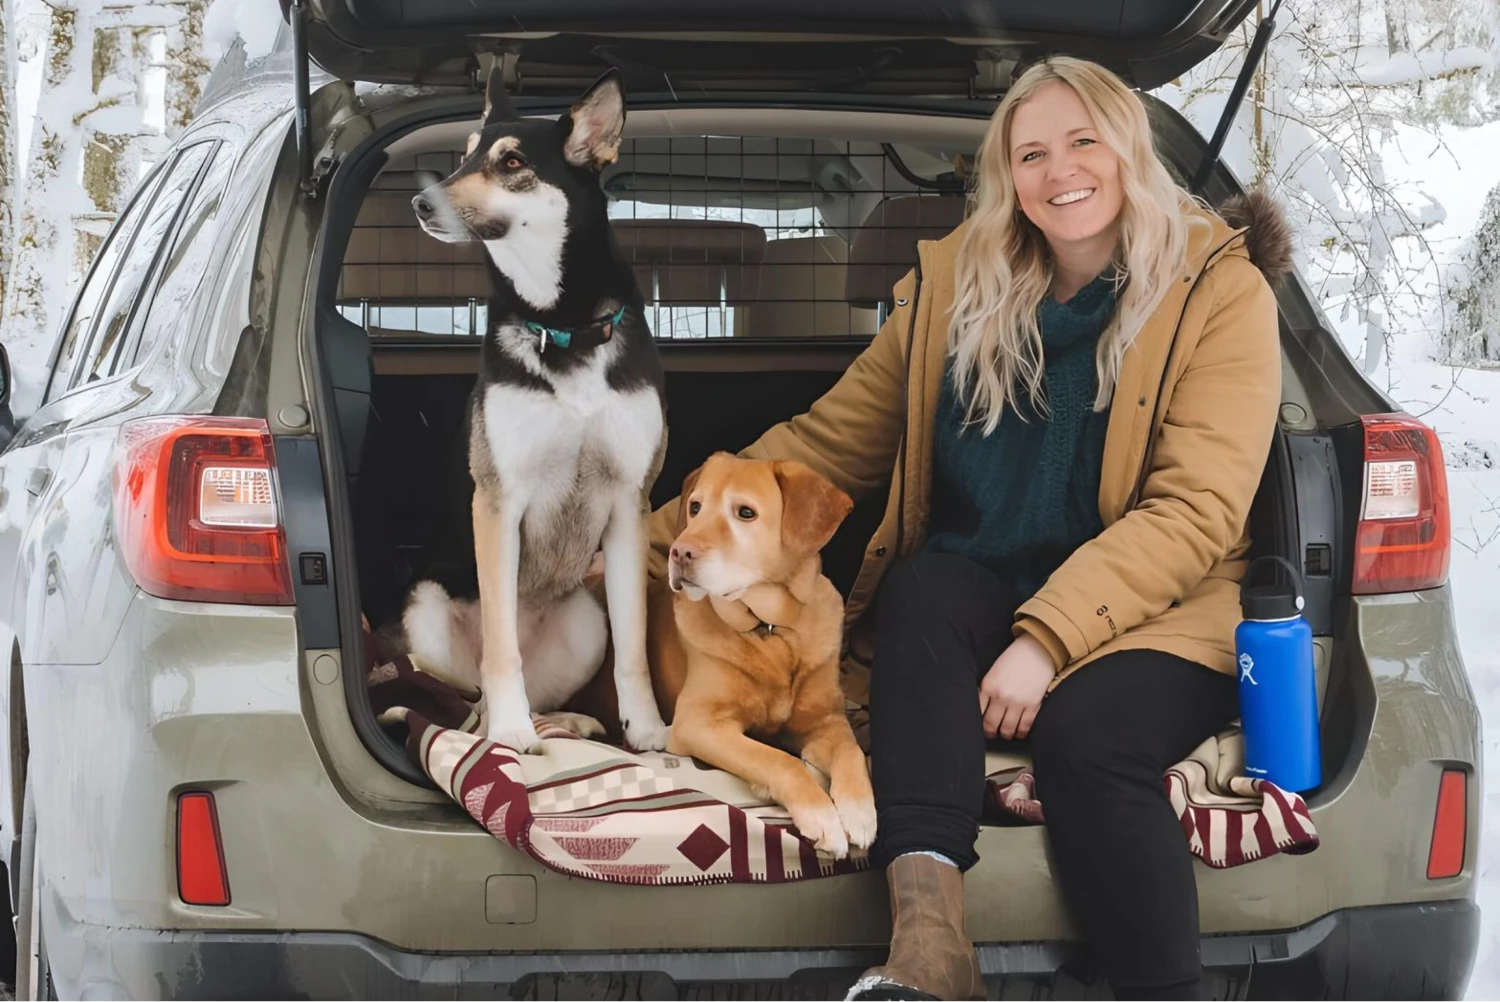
x=885 y=247
x=686 y=263
x=390 y=258
x=803 y=292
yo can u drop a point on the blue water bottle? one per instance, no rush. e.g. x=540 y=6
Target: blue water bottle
x=1278 y=685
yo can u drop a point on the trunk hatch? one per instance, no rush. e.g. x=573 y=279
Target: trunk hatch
x=873 y=46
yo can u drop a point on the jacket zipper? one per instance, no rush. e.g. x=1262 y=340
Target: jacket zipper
x=1161 y=386
x=911 y=330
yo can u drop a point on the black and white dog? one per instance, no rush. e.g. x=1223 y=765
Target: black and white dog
x=567 y=429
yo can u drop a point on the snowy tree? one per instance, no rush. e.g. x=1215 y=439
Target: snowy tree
x=7 y=142
x=1337 y=80
x=1474 y=332
x=118 y=81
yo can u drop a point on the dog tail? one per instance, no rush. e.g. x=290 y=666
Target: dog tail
x=437 y=634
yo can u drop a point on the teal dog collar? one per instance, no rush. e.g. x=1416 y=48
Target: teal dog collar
x=565 y=338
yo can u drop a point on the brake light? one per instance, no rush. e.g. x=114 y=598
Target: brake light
x=1445 y=856
x=196 y=514
x=1403 y=538
x=201 y=875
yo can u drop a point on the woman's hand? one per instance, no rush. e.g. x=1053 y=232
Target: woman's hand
x=1012 y=689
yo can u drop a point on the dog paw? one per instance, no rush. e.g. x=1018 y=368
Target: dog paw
x=514 y=731
x=858 y=817
x=646 y=735
x=822 y=826
x=578 y=724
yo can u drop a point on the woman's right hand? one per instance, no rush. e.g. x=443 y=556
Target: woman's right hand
x=1012 y=690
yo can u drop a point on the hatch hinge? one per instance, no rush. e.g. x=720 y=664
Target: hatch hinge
x=510 y=68
x=1253 y=57
x=301 y=95
x=323 y=166
x=994 y=72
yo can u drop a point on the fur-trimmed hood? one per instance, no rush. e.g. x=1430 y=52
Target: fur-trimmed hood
x=1268 y=236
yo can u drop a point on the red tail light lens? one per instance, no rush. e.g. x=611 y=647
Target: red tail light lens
x=201 y=876
x=1403 y=539
x=196 y=513
x=1445 y=857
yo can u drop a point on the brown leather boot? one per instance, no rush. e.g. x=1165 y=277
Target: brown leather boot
x=930 y=957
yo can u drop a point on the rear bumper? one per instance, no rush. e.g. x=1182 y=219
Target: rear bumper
x=1392 y=951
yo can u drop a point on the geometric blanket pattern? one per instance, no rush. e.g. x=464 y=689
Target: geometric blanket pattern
x=599 y=812
x=1228 y=818
x=590 y=810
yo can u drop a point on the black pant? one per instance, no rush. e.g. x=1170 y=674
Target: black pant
x=1101 y=745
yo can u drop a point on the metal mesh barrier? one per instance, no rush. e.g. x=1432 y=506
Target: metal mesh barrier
x=729 y=237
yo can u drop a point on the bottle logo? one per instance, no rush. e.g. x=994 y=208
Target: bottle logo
x=1247 y=665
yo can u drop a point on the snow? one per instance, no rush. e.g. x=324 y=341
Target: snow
x=28 y=89
x=1409 y=67
x=255 y=21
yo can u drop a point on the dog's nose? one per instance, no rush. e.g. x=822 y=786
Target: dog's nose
x=682 y=554
x=423 y=206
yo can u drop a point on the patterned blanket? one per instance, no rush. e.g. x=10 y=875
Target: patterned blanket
x=1227 y=817
x=592 y=810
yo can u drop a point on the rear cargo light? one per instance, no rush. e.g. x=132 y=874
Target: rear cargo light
x=1445 y=857
x=1403 y=538
x=201 y=876
x=196 y=511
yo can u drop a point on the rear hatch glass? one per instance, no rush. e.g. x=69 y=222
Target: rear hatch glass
x=879 y=46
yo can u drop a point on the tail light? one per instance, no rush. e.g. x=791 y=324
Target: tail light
x=1403 y=538
x=196 y=513
x=202 y=878
x=1445 y=856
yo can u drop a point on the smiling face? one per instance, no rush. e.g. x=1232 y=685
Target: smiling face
x=1067 y=180
x=744 y=522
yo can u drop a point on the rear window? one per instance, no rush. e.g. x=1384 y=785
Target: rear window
x=730 y=237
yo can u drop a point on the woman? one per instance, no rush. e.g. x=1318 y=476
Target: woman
x=1074 y=397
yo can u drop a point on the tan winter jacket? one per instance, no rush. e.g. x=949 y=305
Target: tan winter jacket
x=1203 y=380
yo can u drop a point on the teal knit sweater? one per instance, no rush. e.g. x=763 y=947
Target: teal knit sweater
x=1020 y=500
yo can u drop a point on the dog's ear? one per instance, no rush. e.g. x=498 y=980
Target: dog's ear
x=811 y=507
x=596 y=123
x=688 y=483
x=497 y=106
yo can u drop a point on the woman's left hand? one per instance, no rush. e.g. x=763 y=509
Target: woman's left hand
x=1012 y=689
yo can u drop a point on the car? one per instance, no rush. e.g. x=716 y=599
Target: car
x=245 y=443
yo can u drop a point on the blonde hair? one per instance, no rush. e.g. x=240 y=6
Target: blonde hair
x=1004 y=268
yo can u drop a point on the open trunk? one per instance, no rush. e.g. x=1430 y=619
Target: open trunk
x=766 y=243
x=766 y=239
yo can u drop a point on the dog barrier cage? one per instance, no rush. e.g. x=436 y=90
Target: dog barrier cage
x=730 y=237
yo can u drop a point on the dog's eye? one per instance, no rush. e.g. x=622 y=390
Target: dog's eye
x=512 y=162
x=694 y=508
x=746 y=514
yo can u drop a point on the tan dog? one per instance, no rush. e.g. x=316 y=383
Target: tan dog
x=744 y=643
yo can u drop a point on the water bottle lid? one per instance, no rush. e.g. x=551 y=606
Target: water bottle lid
x=1271 y=601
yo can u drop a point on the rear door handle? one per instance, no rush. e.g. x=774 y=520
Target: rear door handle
x=40 y=477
